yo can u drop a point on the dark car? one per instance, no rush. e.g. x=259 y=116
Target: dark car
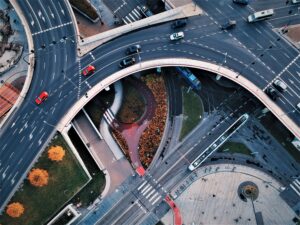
x=133 y=49
x=127 y=62
x=272 y=93
x=145 y=11
x=229 y=25
x=242 y=2
x=179 y=23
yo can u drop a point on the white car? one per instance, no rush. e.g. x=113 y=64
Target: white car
x=176 y=36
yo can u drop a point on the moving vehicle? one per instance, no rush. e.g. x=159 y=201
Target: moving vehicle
x=145 y=11
x=127 y=62
x=41 y=98
x=295 y=1
x=280 y=85
x=189 y=77
x=272 y=93
x=261 y=15
x=298 y=106
x=176 y=36
x=219 y=142
x=242 y=2
x=88 y=70
x=229 y=25
x=133 y=49
x=179 y=23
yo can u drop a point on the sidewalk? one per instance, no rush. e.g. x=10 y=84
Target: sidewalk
x=94 y=41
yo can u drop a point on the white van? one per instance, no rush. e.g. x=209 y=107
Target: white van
x=295 y=1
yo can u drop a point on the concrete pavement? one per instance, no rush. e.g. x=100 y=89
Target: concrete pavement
x=219 y=203
x=92 y=42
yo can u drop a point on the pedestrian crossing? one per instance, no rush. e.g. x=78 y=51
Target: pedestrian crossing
x=150 y=192
x=109 y=116
x=132 y=16
x=295 y=185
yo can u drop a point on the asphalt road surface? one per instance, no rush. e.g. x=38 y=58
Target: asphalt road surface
x=57 y=70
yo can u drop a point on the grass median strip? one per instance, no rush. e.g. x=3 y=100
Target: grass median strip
x=192 y=112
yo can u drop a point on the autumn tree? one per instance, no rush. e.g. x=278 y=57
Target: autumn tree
x=56 y=153
x=15 y=209
x=38 y=177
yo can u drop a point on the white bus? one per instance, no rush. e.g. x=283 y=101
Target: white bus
x=261 y=15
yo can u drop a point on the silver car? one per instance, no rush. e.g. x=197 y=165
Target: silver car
x=177 y=36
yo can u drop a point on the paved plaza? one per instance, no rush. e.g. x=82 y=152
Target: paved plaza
x=213 y=198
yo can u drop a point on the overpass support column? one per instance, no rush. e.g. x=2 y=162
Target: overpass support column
x=218 y=77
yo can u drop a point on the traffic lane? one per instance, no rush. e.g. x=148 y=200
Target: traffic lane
x=52 y=12
x=130 y=216
x=189 y=155
x=257 y=30
x=62 y=9
x=30 y=16
x=268 y=4
x=127 y=202
x=292 y=19
x=39 y=14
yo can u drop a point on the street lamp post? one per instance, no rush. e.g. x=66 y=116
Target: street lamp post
x=31 y=52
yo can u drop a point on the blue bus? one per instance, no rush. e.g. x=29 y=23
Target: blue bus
x=189 y=77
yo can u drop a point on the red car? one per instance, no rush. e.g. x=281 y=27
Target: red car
x=42 y=97
x=88 y=70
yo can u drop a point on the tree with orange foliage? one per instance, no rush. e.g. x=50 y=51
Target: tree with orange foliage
x=38 y=177
x=15 y=209
x=56 y=153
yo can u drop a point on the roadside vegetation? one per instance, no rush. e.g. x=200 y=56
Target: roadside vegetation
x=95 y=186
x=48 y=189
x=192 y=112
x=281 y=134
x=152 y=135
x=234 y=147
x=97 y=106
x=133 y=104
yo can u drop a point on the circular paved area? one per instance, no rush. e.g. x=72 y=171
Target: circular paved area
x=214 y=199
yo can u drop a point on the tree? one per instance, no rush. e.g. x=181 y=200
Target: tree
x=38 y=177
x=56 y=153
x=15 y=209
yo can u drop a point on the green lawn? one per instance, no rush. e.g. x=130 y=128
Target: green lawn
x=234 y=147
x=280 y=133
x=92 y=190
x=192 y=112
x=65 y=179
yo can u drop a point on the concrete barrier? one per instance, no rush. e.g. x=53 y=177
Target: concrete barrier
x=232 y=75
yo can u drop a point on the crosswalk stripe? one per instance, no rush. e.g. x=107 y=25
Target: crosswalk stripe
x=136 y=15
x=156 y=200
x=128 y=19
x=142 y=185
x=153 y=196
x=297 y=185
x=131 y=17
x=297 y=182
x=137 y=12
x=142 y=191
x=298 y=193
x=150 y=193
x=147 y=190
x=124 y=21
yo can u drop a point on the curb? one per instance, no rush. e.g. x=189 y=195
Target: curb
x=94 y=41
x=245 y=83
